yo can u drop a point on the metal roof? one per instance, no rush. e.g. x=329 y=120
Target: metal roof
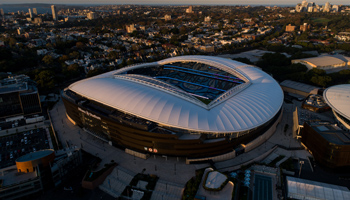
x=305 y=189
x=242 y=110
x=338 y=98
x=326 y=60
x=298 y=86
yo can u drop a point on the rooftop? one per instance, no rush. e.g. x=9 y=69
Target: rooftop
x=10 y=176
x=298 y=86
x=305 y=189
x=35 y=155
x=326 y=60
x=331 y=133
x=338 y=98
x=240 y=108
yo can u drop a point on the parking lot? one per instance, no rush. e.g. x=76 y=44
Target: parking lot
x=16 y=145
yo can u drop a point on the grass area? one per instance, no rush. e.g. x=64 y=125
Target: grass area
x=320 y=20
x=192 y=185
x=288 y=165
x=91 y=176
x=274 y=161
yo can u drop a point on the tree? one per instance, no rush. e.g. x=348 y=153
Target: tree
x=74 y=54
x=12 y=42
x=47 y=59
x=79 y=45
x=45 y=79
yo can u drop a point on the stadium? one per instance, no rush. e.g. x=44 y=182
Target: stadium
x=187 y=106
x=338 y=98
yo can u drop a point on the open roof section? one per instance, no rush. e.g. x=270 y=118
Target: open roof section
x=208 y=81
x=241 y=108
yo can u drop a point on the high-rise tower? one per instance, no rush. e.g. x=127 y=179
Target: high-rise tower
x=54 y=14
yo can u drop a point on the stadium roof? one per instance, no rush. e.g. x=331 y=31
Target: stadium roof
x=238 y=109
x=305 y=189
x=338 y=98
x=326 y=60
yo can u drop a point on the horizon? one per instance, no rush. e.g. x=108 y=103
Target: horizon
x=177 y=3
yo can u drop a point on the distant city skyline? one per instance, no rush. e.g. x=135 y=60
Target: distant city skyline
x=183 y=2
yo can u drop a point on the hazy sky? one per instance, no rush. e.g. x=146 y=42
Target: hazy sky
x=226 y=2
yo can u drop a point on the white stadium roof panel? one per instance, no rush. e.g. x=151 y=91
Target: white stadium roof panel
x=338 y=98
x=248 y=108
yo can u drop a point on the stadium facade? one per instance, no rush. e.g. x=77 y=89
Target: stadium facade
x=190 y=106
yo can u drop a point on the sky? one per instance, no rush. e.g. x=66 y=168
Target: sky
x=194 y=2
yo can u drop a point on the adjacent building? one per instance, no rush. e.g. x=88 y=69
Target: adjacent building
x=18 y=97
x=338 y=98
x=290 y=28
x=298 y=188
x=38 y=171
x=189 y=106
x=91 y=15
x=298 y=89
x=329 y=144
x=167 y=17
x=329 y=63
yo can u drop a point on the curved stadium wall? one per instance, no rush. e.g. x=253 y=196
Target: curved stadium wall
x=190 y=106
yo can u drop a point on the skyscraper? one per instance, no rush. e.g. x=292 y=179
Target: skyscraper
x=35 y=12
x=2 y=14
x=327 y=7
x=54 y=15
x=30 y=13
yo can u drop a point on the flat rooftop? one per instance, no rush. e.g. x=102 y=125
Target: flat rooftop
x=331 y=133
x=298 y=86
x=10 y=176
x=35 y=155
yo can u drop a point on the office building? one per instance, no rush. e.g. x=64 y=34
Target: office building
x=189 y=9
x=35 y=12
x=167 y=17
x=30 y=13
x=91 y=15
x=18 y=97
x=54 y=13
x=290 y=28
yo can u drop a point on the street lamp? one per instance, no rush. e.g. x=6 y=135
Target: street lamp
x=301 y=165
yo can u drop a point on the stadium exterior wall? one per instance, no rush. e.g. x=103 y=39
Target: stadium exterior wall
x=134 y=138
